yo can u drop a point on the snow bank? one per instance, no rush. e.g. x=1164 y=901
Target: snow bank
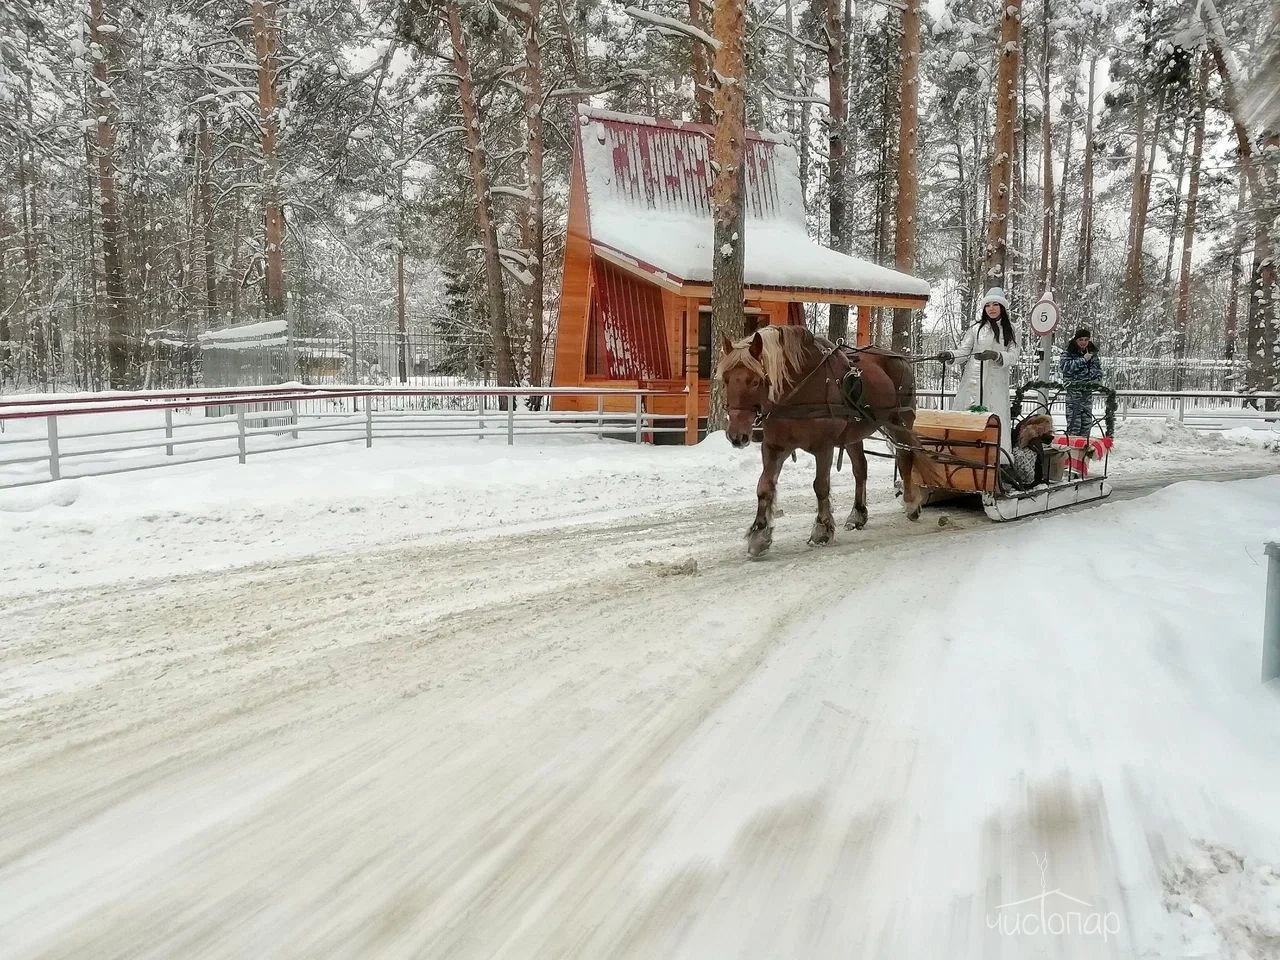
x=1148 y=437
x=293 y=503
x=209 y=516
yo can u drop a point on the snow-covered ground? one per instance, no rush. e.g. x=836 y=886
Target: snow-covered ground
x=465 y=700
x=203 y=517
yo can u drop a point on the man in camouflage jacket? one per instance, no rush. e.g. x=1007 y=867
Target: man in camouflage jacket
x=1081 y=372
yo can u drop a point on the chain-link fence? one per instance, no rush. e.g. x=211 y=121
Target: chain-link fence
x=257 y=354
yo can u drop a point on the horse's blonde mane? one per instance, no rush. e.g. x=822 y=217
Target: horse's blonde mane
x=781 y=360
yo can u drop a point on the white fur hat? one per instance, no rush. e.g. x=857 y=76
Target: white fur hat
x=995 y=295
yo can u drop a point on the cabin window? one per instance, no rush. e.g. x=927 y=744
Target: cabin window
x=704 y=344
x=597 y=358
x=751 y=322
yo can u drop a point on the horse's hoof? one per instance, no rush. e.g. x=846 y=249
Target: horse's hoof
x=759 y=542
x=913 y=515
x=856 y=521
x=821 y=534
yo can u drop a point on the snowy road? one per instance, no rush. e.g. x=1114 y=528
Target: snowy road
x=552 y=744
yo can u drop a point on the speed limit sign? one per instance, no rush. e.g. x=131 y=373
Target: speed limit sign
x=1045 y=316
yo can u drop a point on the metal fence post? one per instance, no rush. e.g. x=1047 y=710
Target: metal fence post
x=240 y=430
x=293 y=412
x=55 y=468
x=1182 y=409
x=639 y=418
x=511 y=424
x=600 y=415
x=168 y=432
x=480 y=412
x=368 y=421
x=1271 y=621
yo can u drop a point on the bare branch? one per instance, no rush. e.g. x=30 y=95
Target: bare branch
x=783 y=32
x=624 y=79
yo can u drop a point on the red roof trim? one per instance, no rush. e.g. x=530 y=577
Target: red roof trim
x=609 y=117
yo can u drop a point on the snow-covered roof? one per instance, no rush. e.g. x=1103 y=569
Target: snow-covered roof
x=649 y=202
x=245 y=331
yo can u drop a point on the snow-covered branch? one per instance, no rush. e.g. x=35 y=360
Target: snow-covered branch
x=667 y=24
x=789 y=98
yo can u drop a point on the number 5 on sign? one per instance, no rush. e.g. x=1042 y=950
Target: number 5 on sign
x=1045 y=316
x=1044 y=320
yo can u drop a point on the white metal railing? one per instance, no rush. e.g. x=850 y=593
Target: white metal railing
x=1199 y=409
x=298 y=418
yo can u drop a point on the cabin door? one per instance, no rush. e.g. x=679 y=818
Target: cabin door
x=752 y=320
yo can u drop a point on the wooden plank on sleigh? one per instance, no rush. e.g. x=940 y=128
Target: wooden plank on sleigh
x=963 y=451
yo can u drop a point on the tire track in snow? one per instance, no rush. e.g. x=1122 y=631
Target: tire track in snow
x=537 y=703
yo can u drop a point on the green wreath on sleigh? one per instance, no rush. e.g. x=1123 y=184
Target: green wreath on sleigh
x=1044 y=386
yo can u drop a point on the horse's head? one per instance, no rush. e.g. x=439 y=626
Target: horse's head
x=746 y=387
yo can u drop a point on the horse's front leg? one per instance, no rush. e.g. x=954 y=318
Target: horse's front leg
x=858 y=459
x=824 y=527
x=760 y=534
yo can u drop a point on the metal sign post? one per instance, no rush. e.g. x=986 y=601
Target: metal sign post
x=1044 y=319
x=1271 y=620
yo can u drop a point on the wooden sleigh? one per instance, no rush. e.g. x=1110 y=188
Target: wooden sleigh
x=963 y=459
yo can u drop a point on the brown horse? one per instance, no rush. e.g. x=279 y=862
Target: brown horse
x=790 y=379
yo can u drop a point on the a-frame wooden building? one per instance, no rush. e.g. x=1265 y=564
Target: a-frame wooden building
x=636 y=291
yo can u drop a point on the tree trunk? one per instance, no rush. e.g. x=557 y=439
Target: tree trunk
x=266 y=40
x=206 y=221
x=701 y=67
x=6 y=232
x=1175 y=221
x=116 y=306
x=499 y=328
x=908 y=113
x=95 y=359
x=728 y=198
x=1188 y=234
x=793 y=80
x=1261 y=317
x=1002 y=157
x=806 y=117
x=402 y=323
x=1020 y=239
x=1073 y=107
x=964 y=219
x=1085 y=266
x=1237 y=270
x=1046 y=149
x=535 y=215
x=837 y=123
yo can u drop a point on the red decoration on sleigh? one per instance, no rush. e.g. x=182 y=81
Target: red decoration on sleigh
x=1080 y=450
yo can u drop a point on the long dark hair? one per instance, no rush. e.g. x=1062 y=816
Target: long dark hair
x=1004 y=328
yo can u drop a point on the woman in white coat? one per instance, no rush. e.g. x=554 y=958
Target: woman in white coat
x=985 y=357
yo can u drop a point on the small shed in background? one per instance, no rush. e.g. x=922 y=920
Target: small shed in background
x=636 y=288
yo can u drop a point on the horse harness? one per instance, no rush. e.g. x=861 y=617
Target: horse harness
x=852 y=408
x=850 y=389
